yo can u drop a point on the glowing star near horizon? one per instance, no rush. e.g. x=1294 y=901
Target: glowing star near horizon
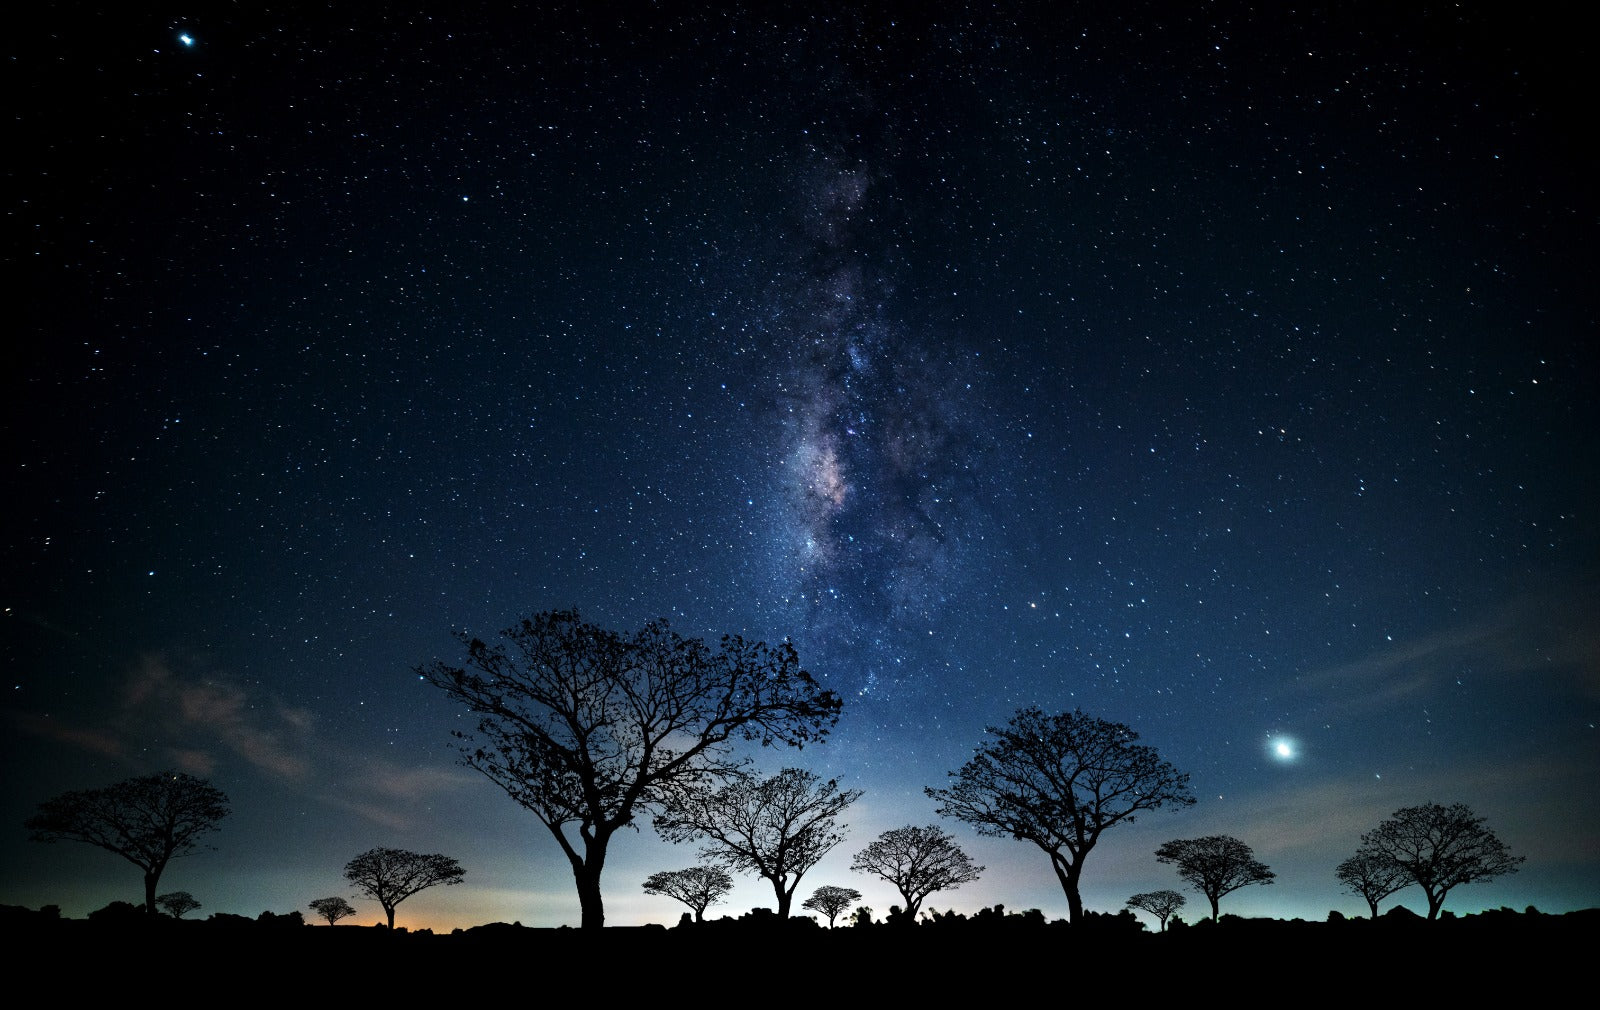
x=1282 y=748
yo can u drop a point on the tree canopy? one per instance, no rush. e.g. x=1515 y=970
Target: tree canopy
x=332 y=909
x=699 y=887
x=1060 y=781
x=1441 y=848
x=586 y=728
x=390 y=876
x=149 y=820
x=918 y=862
x=1215 y=865
x=777 y=827
x=831 y=901
x=178 y=903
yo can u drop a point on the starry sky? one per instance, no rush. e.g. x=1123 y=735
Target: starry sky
x=1220 y=371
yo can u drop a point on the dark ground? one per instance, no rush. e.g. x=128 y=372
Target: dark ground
x=1262 y=960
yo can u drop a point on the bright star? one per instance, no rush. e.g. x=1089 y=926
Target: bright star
x=1282 y=748
x=186 y=39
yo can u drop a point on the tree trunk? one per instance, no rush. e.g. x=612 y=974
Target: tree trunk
x=1374 y=906
x=1069 y=874
x=1435 y=902
x=389 y=911
x=588 y=878
x=150 y=880
x=1213 y=901
x=784 y=899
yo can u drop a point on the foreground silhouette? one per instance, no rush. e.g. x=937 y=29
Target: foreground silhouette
x=587 y=728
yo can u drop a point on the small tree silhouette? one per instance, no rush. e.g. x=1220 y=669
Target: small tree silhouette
x=698 y=886
x=390 y=876
x=918 y=862
x=831 y=901
x=332 y=909
x=178 y=903
x=1215 y=865
x=1160 y=904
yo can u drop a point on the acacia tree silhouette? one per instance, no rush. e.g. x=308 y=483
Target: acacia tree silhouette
x=831 y=901
x=1060 y=781
x=178 y=904
x=698 y=886
x=1160 y=904
x=586 y=728
x=778 y=827
x=332 y=909
x=1441 y=848
x=149 y=821
x=1215 y=865
x=390 y=876
x=918 y=862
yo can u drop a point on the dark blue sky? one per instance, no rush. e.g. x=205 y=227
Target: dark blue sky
x=1217 y=371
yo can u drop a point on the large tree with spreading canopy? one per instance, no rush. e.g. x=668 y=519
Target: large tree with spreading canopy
x=587 y=728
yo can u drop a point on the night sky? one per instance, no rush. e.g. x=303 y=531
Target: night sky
x=1222 y=372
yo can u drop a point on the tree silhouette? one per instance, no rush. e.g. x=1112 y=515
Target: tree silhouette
x=586 y=728
x=777 y=827
x=1441 y=848
x=390 y=876
x=149 y=821
x=332 y=909
x=1215 y=865
x=918 y=862
x=1373 y=875
x=178 y=903
x=1059 y=781
x=831 y=901
x=698 y=886
x=1160 y=904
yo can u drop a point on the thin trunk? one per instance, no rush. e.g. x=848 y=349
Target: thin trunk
x=1213 y=907
x=389 y=910
x=150 y=880
x=1374 y=906
x=784 y=899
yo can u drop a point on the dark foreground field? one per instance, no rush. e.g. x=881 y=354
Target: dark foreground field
x=1257 y=960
